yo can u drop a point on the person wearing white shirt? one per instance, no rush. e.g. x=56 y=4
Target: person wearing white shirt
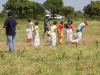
x=53 y=34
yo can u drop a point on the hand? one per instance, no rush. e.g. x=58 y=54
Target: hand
x=4 y=26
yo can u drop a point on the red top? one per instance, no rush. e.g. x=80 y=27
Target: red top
x=60 y=26
x=71 y=26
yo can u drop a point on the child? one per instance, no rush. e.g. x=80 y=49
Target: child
x=67 y=31
x=78 y=35
x=53 y=34
x=70 y=31
x=59 y=31
x=36 y=41
x=30 y=24
x=29 y=30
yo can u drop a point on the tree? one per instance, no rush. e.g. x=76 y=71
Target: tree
x=55 y=6
x=24 y=8
x=3 y=13
x=92 y=9
x=38 y=10
x=79 y=14
x=67 y=10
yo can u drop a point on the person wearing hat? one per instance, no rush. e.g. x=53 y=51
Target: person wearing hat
x=10 y=25
x=46 y=28
x=78 y=34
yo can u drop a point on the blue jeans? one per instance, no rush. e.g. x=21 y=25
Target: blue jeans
x=11 y=42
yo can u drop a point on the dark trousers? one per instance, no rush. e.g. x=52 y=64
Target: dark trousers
x=45 y=29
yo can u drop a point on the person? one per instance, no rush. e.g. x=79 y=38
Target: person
x=29 y=30
x=59 y=31
x=30 y=24
x=53 y=34
x=67 y=31
x=10 y=25
x=46 y=28
x=78 y=34
x=36 y=41
x=71 y=26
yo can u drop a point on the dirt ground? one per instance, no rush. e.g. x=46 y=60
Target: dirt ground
x=20 y=45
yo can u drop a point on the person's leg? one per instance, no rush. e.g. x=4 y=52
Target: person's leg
x=79 y=36
x=44 y=32
x=58 y=32
x=61 y=36
x=13 y=42
x=67 y=34
x=45 y=29
x=78 y=39
x=53 y=39
x=70 y=35
x=10 y=40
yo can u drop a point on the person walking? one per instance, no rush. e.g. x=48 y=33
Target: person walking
x=78 y=34
x=10 y=25
x=46 y=28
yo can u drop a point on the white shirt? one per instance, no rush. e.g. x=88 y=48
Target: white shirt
x=53 y=28
x=30 y=25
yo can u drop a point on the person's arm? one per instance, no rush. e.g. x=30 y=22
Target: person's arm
x=5 y=24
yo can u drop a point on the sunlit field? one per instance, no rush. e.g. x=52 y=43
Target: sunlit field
x=63 y=59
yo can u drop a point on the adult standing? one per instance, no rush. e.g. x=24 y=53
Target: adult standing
x=10 y=25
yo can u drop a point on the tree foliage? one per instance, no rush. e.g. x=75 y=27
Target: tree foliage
x=92 y=9
x=67 y=10
x=24 y=8
x=55 y=6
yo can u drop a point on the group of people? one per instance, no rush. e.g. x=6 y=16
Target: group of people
x=55 y=32
x=33 y=32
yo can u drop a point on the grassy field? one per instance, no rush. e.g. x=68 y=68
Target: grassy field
x=63 y=59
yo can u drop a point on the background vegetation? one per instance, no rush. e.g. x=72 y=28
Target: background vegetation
x=26 y=8
x=63 y=59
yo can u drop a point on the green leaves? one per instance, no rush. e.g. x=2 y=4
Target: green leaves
x=93 y=9
x=24 y=8
x=54 y=6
